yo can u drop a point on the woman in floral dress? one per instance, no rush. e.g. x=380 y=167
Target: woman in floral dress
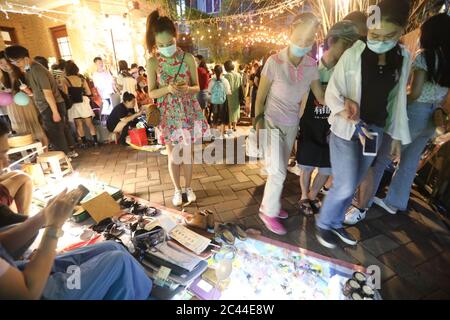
x=173 y=81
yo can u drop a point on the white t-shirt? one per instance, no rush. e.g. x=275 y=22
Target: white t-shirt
x=104 y=82
x=431 y=92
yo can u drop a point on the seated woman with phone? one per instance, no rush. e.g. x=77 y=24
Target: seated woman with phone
x=123 y=116
x=101 y=271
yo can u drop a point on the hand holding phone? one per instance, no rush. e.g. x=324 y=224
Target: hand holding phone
x=370 y=146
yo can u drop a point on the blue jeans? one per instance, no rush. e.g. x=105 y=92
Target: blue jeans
x=349 y=166
x=107 y=272
x=422 y=129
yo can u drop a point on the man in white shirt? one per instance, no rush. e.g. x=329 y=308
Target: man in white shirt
x=105 y=84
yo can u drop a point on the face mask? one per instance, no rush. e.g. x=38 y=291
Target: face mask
x=168 y=51
x=381 y=46
x=299 y=51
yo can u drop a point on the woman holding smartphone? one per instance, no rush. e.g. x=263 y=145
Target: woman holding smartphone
x=373 y=76
x=173 y=81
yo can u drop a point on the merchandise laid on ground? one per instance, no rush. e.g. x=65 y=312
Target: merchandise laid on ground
x=187 y=260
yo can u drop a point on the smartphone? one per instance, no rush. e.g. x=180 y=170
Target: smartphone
x=84 y=192
x=371 y=145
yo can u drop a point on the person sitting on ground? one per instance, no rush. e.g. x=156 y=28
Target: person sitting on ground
x=14 y=186
x=123 y=116
x=106 y=270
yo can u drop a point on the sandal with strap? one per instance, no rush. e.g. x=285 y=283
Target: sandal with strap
x=237 y=230
x=305 y=207
x=225 y=234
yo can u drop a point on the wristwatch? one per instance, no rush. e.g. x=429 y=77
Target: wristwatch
x=53 y=232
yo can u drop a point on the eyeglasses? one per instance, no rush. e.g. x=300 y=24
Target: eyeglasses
x=15 y=62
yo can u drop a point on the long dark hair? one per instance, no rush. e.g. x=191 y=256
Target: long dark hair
x=395 y=11
x=12 y=83
x=435 y=43
x=123 y=68
x=218 y=70
x=157 y=24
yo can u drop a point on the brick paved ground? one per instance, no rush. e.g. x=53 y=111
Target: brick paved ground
x=411 y=249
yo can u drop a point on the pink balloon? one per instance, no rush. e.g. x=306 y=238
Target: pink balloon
x=5 y=99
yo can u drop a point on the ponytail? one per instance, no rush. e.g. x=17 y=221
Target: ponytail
x=158 y=24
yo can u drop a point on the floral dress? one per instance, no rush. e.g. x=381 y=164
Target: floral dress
x=182 y=119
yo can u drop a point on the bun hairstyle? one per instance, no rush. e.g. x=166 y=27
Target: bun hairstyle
x=158 y=24
x=128 y=97
x=395 y=11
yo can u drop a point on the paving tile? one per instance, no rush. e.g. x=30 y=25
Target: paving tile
x=246 y=211
x=228 y=216
x=241 y=177
x=229 y=194
x=400 y=267
x=230 y=204
x=257 y=180
x=415 y=253
x=367 y=259
x=398 y=289
x=379 y=244
x=242 y=186
x=211 y=179
x=210 y=201
x=245 y=197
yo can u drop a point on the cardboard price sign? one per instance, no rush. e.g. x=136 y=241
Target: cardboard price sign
x=101 y=207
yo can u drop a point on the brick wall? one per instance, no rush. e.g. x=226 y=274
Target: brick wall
x=33 y=33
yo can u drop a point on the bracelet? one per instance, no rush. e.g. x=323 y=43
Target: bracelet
x=53 y=232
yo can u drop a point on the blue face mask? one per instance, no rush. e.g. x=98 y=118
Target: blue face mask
x=381 y=46
x=168 y=51
x=297 y=51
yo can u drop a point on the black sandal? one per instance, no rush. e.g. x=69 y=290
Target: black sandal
x=305 y=208
x=225 y=234
x=237 y=230
x=315 y=205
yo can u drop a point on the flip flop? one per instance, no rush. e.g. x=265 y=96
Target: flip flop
x=237 y=230
x=225 y=234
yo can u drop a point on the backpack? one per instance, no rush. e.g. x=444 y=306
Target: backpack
x=218 y=94
x=75 y=93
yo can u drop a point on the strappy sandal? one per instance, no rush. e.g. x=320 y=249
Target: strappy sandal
x=315 y=205
x=225 y=234
x=305 y=207
x=237 y=230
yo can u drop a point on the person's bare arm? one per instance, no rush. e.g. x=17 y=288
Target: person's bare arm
x=418 y=79
x=50 y=98
x=153 y=91
x=318 y=91
x=30 y=283
x=18 y=236
x=263 y=91
x=192 y=65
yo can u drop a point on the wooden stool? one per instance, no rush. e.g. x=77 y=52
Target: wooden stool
x=52 y=159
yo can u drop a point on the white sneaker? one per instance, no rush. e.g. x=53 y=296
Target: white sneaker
x=190 y=195
x=295 y=170
x=380 y=202
x=354 y=215
x=177 y=198
x=72 y=154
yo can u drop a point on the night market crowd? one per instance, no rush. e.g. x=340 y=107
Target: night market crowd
x=346 y=117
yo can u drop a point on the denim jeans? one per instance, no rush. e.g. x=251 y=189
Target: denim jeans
x=280 y=140
x=422 y=129
x=349 y=167
x=107 y=271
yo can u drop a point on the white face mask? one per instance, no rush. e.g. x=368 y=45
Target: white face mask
x=168 y=51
